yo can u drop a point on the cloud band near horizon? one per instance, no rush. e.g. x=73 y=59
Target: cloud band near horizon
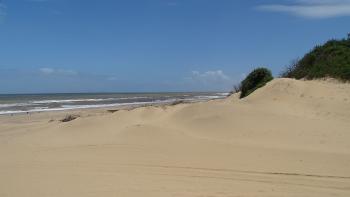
x=314 y=9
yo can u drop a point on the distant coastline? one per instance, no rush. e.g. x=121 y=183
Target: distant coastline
x=29 y=103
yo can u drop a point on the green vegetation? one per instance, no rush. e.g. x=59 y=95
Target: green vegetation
x=329 y=60
x=256 y=79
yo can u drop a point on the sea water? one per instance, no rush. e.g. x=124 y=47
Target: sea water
x=26 y=103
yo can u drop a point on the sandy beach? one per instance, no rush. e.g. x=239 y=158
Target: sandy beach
x=289 y=138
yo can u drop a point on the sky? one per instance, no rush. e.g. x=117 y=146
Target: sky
x=49 y=46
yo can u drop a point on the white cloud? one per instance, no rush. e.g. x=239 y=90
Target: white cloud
x=311 y=8
x=47 y=70
x=2 y=11
x=112 y=78
x=210 y=76
x=60 y=72
x=215 y=80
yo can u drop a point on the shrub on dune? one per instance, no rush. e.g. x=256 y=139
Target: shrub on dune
x=256 y=79
x=329 y=60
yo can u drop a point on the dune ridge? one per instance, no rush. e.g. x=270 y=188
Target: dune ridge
x=288 y=138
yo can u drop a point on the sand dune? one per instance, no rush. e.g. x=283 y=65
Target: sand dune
x=289 y=138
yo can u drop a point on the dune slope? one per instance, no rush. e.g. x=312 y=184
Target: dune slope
x=289 y=138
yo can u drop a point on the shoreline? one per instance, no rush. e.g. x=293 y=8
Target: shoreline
x=52 y=102
x=58 y=115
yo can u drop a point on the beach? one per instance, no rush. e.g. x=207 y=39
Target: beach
x=288 y=138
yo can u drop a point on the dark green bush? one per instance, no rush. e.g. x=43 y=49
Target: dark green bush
x=329 y=60
x=256 y=79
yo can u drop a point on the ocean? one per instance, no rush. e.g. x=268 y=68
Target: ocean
x=26 y=103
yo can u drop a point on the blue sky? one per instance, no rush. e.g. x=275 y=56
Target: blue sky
x=156 y=45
